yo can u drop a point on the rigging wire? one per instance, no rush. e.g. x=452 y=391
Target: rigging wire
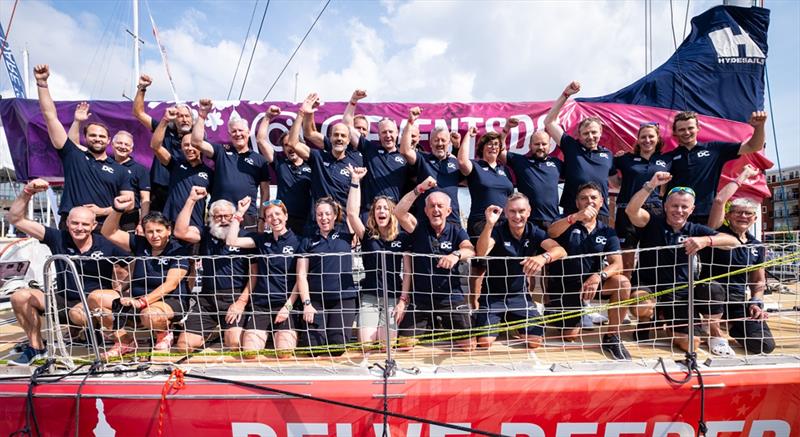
x=104 y=40
x=646 y=70
x=253 y=53
x=105 y=67
x=672 y=27
x=777 y=150
x=296 y=49
x=650 y=29
x=241 y=53
x=686 y=18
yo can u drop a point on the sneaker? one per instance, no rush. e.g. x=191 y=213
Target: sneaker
x=586 y=321
x=28 y=356
x=614 y=347
x=119 y=350
x=163 y=341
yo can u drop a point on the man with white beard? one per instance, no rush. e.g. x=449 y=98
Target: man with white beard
x=226 y=276
x=182 y=125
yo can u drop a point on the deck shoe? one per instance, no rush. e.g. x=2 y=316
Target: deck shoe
x=614 y=347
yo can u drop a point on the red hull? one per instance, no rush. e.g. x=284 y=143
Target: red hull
x=751 y=402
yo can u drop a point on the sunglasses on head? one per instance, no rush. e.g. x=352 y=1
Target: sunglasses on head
x=276 y=202
x=681 y=190
x=649 y=124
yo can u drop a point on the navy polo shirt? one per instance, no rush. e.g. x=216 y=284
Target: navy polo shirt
x=182 y=177
x=576 y=240
x=96 y=270
x=237 y=175
x=224 y=267
x=277 y=267
x=582 y=165
x=139 y=179
x=294 y=186
x=374 y=267
x=700 y=169
x=159 y=174
x=668 y=267
x=329 y=176
x=330 y=266
x=635 y=171
x=150 y=272
x=387 y=172
x=724 y=262
x=504 y=276
x=434 y=285
x=487 y=186
x=88 y=180
x=538 y=180
x=447 y=176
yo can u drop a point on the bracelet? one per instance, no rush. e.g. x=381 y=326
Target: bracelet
x=353 y=103
x=27 y=191
x=416 y=191
x=403 y=298
x=121 y=211
x=288 y=306
x=570 y=220
x=143 y=302
x=352 y=185
x=757 y=302
x=647 y=187
x=41 y=85
x=142 y=88
x=737 y=184
x=710 y=241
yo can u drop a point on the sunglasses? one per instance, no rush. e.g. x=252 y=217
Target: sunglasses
x=276 y=202
x=681 y=190
x=649 y=124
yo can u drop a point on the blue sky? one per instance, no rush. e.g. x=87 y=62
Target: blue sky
x=425 y=51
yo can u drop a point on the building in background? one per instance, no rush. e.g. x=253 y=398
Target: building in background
x=781 y=212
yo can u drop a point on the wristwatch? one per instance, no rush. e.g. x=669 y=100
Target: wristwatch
x=547 y=257
x=307 y=302
x=603 y=275
x=456 y=253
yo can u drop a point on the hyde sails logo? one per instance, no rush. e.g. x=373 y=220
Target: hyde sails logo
x=736 y=48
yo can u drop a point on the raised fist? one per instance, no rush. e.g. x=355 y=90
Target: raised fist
x=272 y=112
x=511 y=123
x=747 y=172
x=37 y=186
x=144 y=82
x=244 y=204
x=198 y=193
x=356 y=173
x=171 y=114
x=660 y=178
x=358 y=95
x=41 y=72
x=413 y=114
x=473 y=131
x=205 y=106
x=123 y=202
x=455 y=138
x=572 y=88
x=426 y=185
x=758 y=118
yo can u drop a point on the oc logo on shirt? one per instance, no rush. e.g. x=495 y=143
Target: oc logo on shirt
x=107 y=169
x=703 y=154
x=600 y=239
x=395 y=244
x=661 y=163
x=446 y=245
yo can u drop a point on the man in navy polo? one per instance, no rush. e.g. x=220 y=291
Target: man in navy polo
x=699 y=165
x=238 y=170
x=292 y=172
x=387 y=171
x=75 y=239
x=537 y=176
x=159 y=175
x=184 y=173
x=439 y=164
x=666 y=268
x=91 y=178
x=578 y=278
x=504 y=295
x=585 y=160
x=438 y=246
x=329 y=167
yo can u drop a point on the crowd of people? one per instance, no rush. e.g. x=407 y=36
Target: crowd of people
x=284 y=267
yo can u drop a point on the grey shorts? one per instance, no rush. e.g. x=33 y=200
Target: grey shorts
x=372 y=314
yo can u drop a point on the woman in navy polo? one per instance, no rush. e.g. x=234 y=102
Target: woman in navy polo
x=488 y=180
x=272 y=299
x=630 y=172
x=325 y=280
x=381 y=234
x=158 y=287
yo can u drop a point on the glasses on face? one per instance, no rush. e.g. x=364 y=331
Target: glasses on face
x=648 y=124
x=681 y=190
x=742 y=213
x=276 y=202
x=222 y=217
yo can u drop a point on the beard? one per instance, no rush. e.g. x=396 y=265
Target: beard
x=218 y=231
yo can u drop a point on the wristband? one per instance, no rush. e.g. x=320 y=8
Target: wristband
x=143 y=302
x=737 y=184
x=121 y=211
x=44 y=85
x=403 y=298
x=710 y=241
x=142 y=88
x=353 y=103
x=570 y=219
x=352 y=185
x=416 y=191
x=27 y=191
x=288 y=306
x=647 y=187
x=757 y=302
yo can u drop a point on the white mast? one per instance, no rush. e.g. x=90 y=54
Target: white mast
x=135 y=41
x=26 y=73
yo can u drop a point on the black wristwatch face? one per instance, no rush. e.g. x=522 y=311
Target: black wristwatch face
x=307 y=302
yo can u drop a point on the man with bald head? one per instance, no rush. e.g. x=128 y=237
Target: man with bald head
x=438 y=246
x=537 y=175
x=96 y=270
